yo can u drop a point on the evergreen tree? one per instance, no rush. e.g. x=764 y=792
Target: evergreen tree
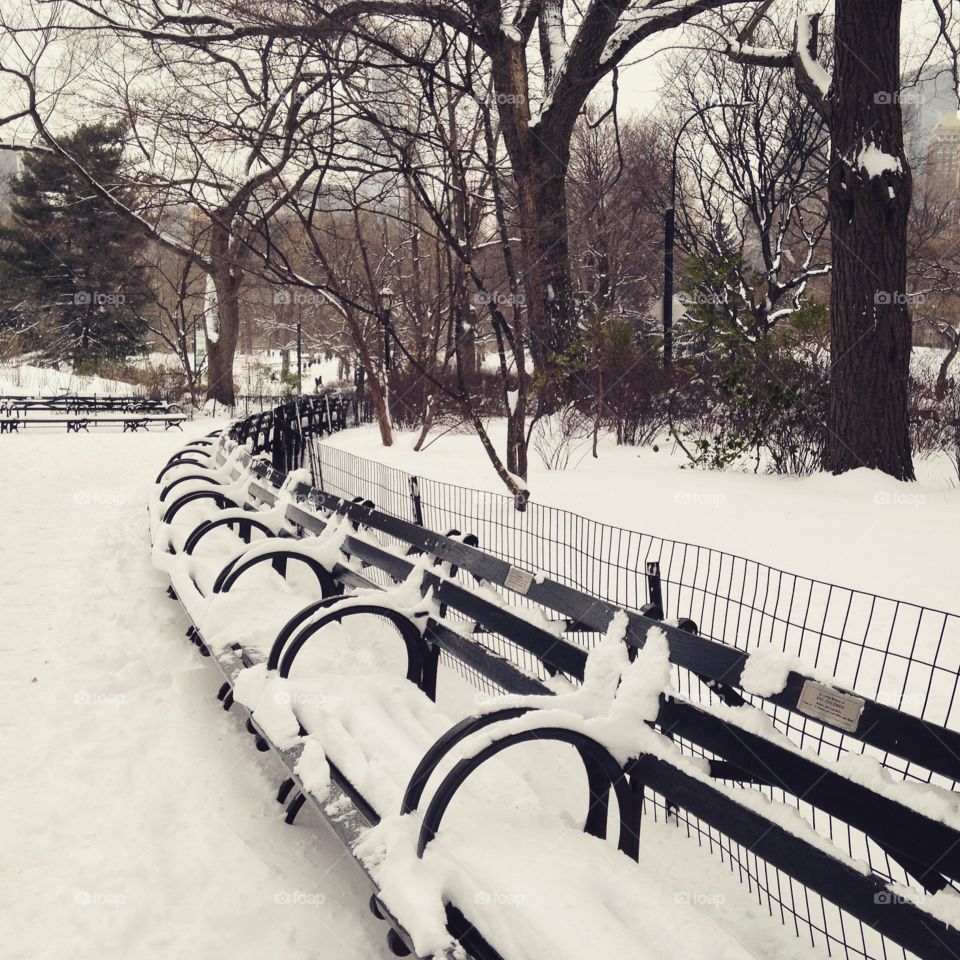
x=70 y=263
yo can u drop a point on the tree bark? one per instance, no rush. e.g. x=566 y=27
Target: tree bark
x=220 y=352
x=539 y=160
x=871 y=326
x=551 y=161
x=377 y=393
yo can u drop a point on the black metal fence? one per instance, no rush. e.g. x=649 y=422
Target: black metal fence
x=245 y=405
x=901 y=654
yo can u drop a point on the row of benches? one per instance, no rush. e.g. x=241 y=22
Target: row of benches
x=231 y=531
x=281 y=431
x=74 y=424
x=16 y=405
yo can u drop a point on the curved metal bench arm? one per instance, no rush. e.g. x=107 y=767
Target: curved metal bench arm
x=420 y=657
x=604 y=775
x=184 y=479
x=229 y=575
x=192 y=449
x=221 y=499
x=247 y=526
x=179 y=462
x=297 y=621
x=444 y=744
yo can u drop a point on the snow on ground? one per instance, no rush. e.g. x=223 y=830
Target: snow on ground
x=862 y=530
x=256 y=374
x=140 y=819
x=23 y=379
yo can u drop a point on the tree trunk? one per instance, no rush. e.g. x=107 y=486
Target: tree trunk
x=517 y=462
x=869 y=197
x=377 y=395
x=426 y=424
x=221 y=352
x=539 y=163
x=549 y=177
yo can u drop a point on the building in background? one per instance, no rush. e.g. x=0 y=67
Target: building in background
x=943 y=159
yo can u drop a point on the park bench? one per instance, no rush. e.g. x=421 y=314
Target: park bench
x=76 y=423
x=89 y=405
x=223 y=516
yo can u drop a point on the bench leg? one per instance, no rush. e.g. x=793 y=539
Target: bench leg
x=295 y=806
x=284 y=790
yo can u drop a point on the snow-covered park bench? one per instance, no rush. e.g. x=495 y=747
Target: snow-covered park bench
x=131 y=414
x=343 y=635
x=130 y=423
x=23 y=406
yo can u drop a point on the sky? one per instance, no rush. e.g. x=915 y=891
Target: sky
x=641 y=81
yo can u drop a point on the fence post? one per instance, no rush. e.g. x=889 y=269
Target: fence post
x=415 y=498
x=654 y=609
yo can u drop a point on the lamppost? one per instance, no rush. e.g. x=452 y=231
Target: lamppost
x=386 y=305
x=299 y=356
x=669 y=229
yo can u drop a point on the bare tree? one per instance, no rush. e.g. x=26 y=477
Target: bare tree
x=175 y=307
x=223 y=135
x=761 y=173
x=869 y=194
x=545 y=59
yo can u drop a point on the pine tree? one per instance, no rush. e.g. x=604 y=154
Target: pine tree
x=71 y=268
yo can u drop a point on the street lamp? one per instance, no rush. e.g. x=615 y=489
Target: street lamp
x=669 y=229
x=299 y=357
x=386 y=305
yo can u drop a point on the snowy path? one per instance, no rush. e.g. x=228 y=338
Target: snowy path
x=139 y=819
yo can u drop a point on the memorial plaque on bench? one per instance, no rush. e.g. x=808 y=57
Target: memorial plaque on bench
x=822 y=702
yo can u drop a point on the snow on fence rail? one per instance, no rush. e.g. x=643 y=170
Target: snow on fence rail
x=897 y=653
